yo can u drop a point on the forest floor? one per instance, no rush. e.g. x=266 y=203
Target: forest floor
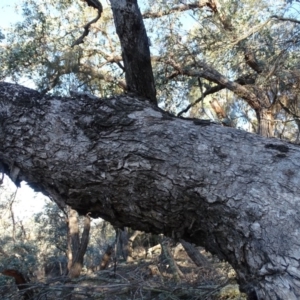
x=151 y=278
x=145 y=279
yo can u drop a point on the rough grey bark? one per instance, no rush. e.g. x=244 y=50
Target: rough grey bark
x=135 y=48
x=126 y=161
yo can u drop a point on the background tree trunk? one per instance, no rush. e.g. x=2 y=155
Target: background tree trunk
x=131 y=239
x=166 y=258
x=122 y=243
x=199 y=259
x=266 y=122
x=78 y=247
x=126 y=161
x=106 y=257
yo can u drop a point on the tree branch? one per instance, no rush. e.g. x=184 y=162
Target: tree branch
x=97 y=5
x=285 y=19
x=180 y=8
x=242 y=81
x=213 y=75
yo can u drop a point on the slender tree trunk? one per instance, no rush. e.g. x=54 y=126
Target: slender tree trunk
x=125 y=243
x=135 y=50
x=78 y=247
x=106 y=257
x=167 y=259
x=73 y=238
x=194 y=254
x=133 y=236
x=119 y=247
x=12 y=214
x=266 y=123
x=297 y=141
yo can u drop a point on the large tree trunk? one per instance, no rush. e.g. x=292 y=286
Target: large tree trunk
x=237 y=194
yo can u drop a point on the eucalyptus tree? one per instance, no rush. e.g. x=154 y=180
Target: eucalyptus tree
x=42 y=48
x=208 y=46
x=240 y=46
x=126 y=160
